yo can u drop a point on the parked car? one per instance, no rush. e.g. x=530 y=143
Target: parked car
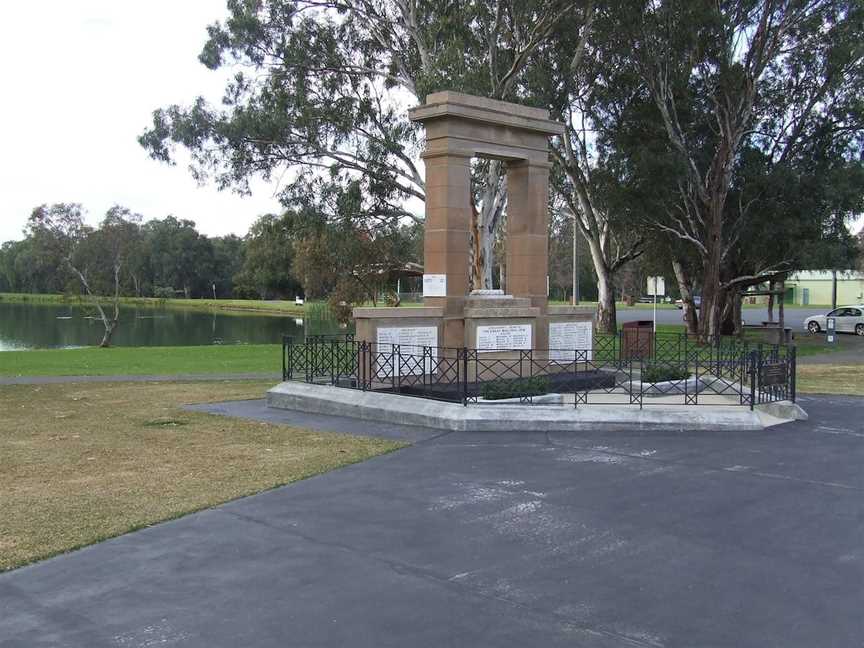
x=697 y=301
x=848 y=319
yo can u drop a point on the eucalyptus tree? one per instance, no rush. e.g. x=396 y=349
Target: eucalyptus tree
x=778 y=78
x=322 y=86
x=578 y=77
x=58 y=231
x=268 y=259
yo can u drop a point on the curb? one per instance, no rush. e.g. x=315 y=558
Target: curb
x=408 y=410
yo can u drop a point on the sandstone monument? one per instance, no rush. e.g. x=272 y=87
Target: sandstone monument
x=458 y=128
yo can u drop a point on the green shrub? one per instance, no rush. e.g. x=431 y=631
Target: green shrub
x=515 y=388
x=655 y=373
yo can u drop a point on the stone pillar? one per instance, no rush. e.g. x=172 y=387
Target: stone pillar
x=446 y=237
x=528 y=231
x=527 y=264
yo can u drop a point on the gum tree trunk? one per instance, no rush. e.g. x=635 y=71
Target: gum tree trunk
x=485 y=221
x=606 y=315
x=688 y=305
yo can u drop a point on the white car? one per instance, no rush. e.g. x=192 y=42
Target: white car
x=847 y=319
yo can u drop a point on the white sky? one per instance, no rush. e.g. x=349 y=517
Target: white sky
x=81 y=80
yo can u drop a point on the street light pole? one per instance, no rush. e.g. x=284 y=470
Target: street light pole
x=575 y=297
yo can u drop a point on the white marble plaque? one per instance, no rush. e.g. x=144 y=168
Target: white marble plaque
x=567 y=337
x=434 y=285
x=411 y=341
x=504 y=337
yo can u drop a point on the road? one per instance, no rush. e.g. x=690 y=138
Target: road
x=496 y=539
x=794 y=316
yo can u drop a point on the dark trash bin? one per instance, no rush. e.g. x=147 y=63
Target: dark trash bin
x=637 y=339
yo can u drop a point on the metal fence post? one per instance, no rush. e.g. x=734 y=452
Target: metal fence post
x=792 y=368
x=464 y=376
x=362 y=361
x=575 y=379
x=753 y=355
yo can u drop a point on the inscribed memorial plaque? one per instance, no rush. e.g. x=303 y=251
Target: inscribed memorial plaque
x=411 y=341
x=567 y=337
x=504 y=337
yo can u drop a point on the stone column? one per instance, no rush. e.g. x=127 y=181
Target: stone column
x=528 y=238
x=446 y=237
x=527 y=231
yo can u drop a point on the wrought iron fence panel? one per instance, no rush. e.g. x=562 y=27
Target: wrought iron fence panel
x=667 y=368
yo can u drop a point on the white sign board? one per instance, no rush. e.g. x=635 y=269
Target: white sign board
x=411 y=340
x=434 y=285
x=567 y=337
x=504 y=337
x=660 y=283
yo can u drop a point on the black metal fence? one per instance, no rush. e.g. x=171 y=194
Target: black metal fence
x=633 y=367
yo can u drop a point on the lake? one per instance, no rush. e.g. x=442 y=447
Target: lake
x=59 y=326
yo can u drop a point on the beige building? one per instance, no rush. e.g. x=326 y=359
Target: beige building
x=814 y=287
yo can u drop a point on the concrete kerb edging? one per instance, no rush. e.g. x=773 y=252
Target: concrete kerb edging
x=408 y=410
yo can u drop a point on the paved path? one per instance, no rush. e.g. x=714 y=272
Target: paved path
x=494 y=539
x=54 y=380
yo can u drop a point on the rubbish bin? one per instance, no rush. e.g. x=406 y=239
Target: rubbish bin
x=637 y=339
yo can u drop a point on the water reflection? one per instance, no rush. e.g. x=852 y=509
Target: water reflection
x=52 y=326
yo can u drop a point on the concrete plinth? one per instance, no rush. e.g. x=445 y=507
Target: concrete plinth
x=405 y=410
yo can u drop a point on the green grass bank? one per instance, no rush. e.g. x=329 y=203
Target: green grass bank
x=138 y=361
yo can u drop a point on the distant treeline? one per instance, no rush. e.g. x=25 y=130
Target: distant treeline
x=168 y=258
x=278 y=258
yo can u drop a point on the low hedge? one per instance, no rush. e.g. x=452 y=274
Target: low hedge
x=515 y=388
x=656 y=373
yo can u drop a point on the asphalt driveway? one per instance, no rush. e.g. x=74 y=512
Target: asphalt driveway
x=495 y=539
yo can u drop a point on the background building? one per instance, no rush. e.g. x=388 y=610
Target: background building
x=814 y=287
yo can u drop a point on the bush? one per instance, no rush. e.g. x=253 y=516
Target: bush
x=515 y=388
x=654 y=373
x=163 y=292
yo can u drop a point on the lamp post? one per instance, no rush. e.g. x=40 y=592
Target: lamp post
x=575 y=297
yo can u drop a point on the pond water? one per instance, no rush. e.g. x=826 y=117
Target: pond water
x=57 y=326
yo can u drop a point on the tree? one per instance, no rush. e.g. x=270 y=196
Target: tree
x=59 y=231
x=229 y=257
x=325 y=96
x=267 y=267
x=179 y=256
x=778 y=76
x=575 y=79
x=338 y=253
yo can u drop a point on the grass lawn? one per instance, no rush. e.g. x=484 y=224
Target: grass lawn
x=83 y=462
x=252 y=358
x=831 y=379
x=93 y=361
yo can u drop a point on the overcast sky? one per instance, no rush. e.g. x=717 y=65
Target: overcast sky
x=81 y=79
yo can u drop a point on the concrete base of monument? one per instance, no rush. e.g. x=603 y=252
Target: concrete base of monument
x=481 y=417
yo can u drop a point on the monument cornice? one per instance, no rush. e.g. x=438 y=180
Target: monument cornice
x=447 y=104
